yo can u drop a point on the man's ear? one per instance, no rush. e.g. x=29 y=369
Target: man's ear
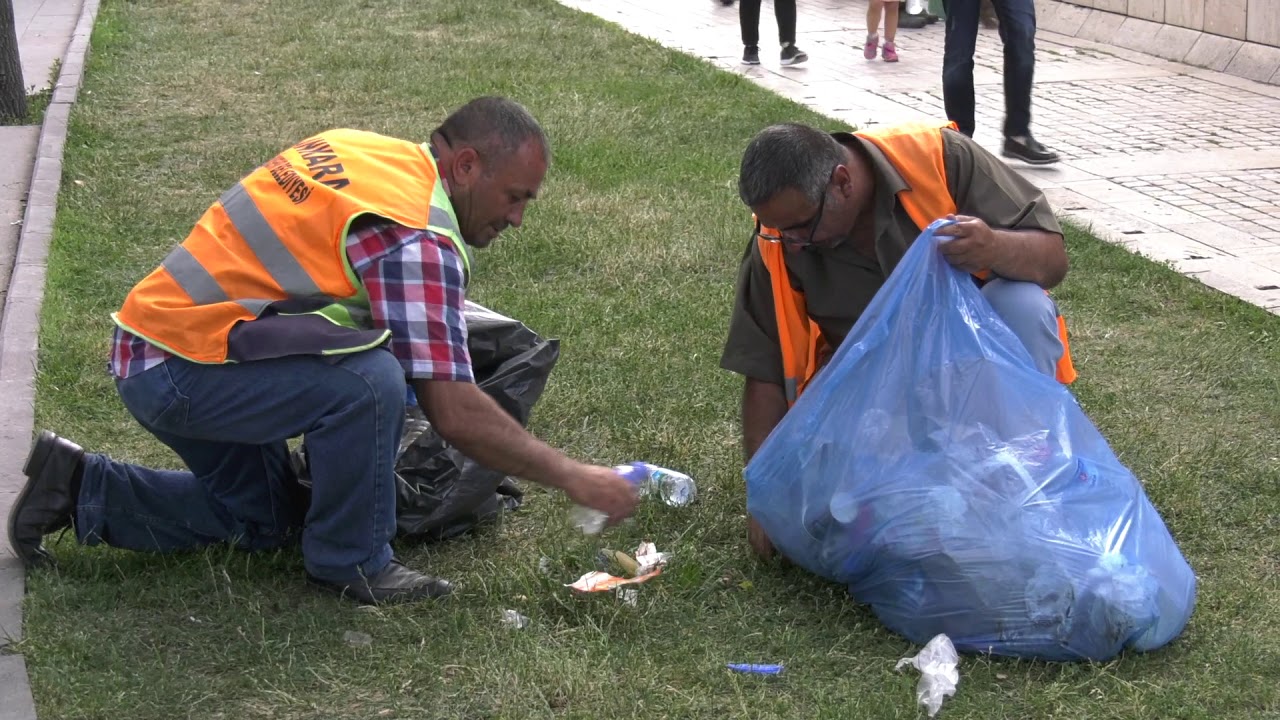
x=466 y=166
x=843 y=180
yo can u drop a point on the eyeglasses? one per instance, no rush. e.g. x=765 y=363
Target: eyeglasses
x=812 y=223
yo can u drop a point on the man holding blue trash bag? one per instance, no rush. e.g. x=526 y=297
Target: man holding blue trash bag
x=834 y=215
x=938 y=466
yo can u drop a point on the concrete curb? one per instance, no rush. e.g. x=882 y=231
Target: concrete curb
x=19 y=345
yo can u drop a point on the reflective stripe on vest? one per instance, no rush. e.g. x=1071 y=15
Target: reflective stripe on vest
x=915 y=151
x=278 y=238
x=265 y=243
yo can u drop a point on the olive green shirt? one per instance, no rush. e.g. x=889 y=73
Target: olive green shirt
x=838 y=282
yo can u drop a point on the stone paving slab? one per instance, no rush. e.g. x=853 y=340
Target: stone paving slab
x=12 y=586
x=15 y=697
x=18 y=146
x=44 y=29
x=1175 y=162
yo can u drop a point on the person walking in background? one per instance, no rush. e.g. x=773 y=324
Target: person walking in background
x=749 y=18
x=1017 y=20
x=913 y=15
x=876 y=8
x=988 y=15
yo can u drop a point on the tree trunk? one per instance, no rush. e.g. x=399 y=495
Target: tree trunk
x=13 y=94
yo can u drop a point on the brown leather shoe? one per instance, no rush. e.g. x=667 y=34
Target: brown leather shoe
x=394 y=584
x=47 y=502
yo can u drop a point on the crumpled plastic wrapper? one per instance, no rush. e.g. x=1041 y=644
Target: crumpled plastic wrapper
x=648 y=563
x=514 y=620
x=648 y=558
x=938 y=673
x=596 y=581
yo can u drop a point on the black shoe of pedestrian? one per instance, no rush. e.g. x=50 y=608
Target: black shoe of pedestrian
x=930 y=17
x=726 y=3
x=47 y=502
x=751 y=55
x=792 y=55
x=1029 y=151
x=394 y=584
x=911 y=22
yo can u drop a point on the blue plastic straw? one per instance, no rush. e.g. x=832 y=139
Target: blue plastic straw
x=757 y=669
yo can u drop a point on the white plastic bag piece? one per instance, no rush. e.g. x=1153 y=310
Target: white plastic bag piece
x=938 y=673
x=514 y=620
x=648 y=557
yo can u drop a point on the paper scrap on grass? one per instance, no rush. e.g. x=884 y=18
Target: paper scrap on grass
x=597 y=581
x=648 y=558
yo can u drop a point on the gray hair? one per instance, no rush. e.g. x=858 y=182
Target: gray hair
x=494 y=127
x=784 y=156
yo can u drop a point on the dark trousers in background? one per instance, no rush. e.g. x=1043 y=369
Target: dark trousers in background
x=749 y=17
x=1018 y=32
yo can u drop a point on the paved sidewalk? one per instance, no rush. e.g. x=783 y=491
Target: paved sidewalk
x=44 y=29
x=1175 y=162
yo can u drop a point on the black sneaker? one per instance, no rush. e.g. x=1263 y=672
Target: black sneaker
x=726 y=3
x=751 y=55
x=792 y=55
x=1029 y=151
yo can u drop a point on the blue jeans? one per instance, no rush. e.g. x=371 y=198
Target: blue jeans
x=1032 y=315
x=229 y=424
x=1018 y=32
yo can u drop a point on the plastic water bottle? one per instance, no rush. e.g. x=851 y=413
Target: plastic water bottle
x=674 y=488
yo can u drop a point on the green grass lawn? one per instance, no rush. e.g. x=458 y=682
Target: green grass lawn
x=630 y=259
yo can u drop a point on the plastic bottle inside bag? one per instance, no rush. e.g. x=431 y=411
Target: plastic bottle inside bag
x=674 y=488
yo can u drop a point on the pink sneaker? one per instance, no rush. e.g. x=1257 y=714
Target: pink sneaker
x=869 y=50
x=890 y=53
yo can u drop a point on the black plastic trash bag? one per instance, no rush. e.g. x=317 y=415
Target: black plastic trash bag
x=441 y=493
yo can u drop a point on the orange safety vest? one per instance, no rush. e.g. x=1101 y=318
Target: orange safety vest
x=915 y=151
x=265 y=273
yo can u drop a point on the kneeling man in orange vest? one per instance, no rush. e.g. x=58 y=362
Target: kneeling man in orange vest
x=302 y=303
x=834 y=215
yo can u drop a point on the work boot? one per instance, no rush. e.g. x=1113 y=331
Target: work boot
x=393 y=584
x=47 y=502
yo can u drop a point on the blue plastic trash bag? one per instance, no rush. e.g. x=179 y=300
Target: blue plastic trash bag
x=957 y=490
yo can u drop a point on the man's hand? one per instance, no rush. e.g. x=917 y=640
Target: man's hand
x=474 y=423
x=600 y=488
x=973 y=246
x=760 y=543
x=1029 y=255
